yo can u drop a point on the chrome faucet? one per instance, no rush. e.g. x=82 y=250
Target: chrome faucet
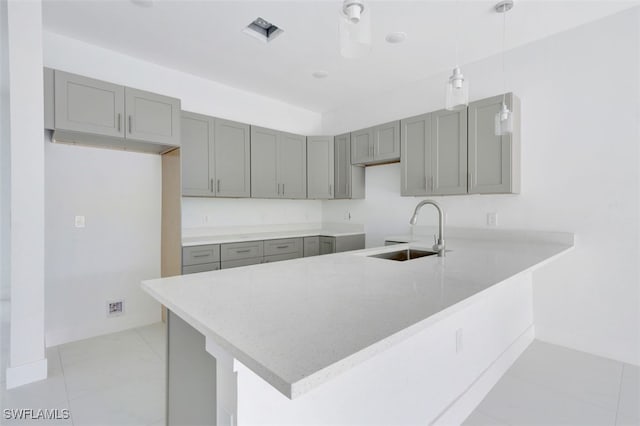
x=438 y=247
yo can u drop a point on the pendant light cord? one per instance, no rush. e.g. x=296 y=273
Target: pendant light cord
x=457 y=33
x=504 y=74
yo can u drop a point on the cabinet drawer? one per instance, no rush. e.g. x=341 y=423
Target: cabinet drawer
x=235 y=251
x=197 y=255
x=240 y=262
x=327 y=245
x=311 y=246
x=284 y=246
x=280 y=257
x=192 y=269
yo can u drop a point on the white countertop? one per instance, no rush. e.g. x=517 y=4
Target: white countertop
x=298 y=323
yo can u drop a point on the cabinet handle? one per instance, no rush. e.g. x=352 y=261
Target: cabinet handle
x=283 y=189
x=201 y=255
x=243 y=251
x=218 y=187
x=130 y=124
x=426 y=183
x=469 y=181
x=119 y=122
x=211 y=185
x=282 y=247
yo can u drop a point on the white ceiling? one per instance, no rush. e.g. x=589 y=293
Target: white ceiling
x=205 y=38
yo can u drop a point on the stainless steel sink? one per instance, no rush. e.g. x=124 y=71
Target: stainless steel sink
x=403 y=255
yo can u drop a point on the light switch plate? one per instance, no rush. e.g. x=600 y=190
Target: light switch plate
x=79 y=222
x=492 y=219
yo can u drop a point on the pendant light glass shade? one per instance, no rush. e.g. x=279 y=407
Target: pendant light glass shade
x=355 y=29
x=457 y=91
x=503 y=121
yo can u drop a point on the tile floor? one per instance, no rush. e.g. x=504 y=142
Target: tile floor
x=118 y=379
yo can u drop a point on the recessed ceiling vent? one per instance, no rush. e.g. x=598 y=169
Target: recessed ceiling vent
x=263 y=30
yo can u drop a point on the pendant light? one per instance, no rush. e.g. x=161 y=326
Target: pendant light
x=355 y=29
x=457 y=88
x=504 y=117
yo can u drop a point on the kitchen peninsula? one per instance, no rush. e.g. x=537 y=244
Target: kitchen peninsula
x=352 y=339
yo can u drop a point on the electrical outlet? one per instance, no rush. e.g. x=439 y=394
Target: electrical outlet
x=79 y=222
x=459 y=345
x=347 y=215
x=205 y=219
x=115 y=308
x=492 y=219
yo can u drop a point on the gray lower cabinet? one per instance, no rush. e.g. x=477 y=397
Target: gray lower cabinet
x=320 y=167
x=87 y=111
x=494 y=161
x=278 y=164
x=327 y=245
x=240 y=262
x=200 y=258
x=215 y=157
x=434 y=154
x=311 y=246
x=284 y=246
x=376 y=145
x=349 y=180
x=280 y=257
x=237 y=251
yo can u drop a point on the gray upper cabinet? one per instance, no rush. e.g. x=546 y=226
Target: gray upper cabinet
x=449 y=152
x=494 y=161
x=376 y=145
x=86 y=105
x=264 y=164
x=415 y=163
x=320 y=167
x=434 y=154
x=278 y=164
x=152 y=117
x=215 y=157
x=196 y=155
x=92 y=112
x=349 y=180
x=292 y=165
x=232 y=159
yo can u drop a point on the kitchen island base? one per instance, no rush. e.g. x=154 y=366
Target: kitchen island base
x=437 y=374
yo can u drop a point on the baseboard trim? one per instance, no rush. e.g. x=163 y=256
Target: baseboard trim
x=26 y=373
x=463 y=406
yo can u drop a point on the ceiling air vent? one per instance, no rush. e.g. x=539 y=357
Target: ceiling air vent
x=263 y=30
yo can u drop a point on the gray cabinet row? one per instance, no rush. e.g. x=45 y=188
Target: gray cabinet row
x=94 y=112
x=211 y=257
x=457 y=152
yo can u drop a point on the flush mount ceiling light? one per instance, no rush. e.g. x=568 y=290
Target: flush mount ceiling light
x=457 y=88
x=320 y=74
x=262 y=30
x=504 y=118
x=355 y=29
x=396 y=37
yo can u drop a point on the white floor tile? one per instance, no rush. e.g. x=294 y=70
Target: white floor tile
x=584 y=376
x=113 y=369
x=156 y=336
x=629 y=407
x=478 y=418
x=48 y=393
x=101 y=346
x=522 y=403
x=135 y=403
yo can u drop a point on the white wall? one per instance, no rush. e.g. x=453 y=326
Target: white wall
x=579 y=93
x=119 y=194
x=5 y=286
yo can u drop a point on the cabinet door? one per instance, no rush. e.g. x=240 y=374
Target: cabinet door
x=264 y=177
x=320 y=173
x=311 y=246
x=327 y=245
x=86 y=105
x=449 y=152
x=342 y=179
x=491 y=157
x=387 y=142
x=292 y=165
x=362 y=146
x=232 y=157
x=204 y=267
x=152 y=117
x=349 y=242
x=415 y=162
x=196 y=155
